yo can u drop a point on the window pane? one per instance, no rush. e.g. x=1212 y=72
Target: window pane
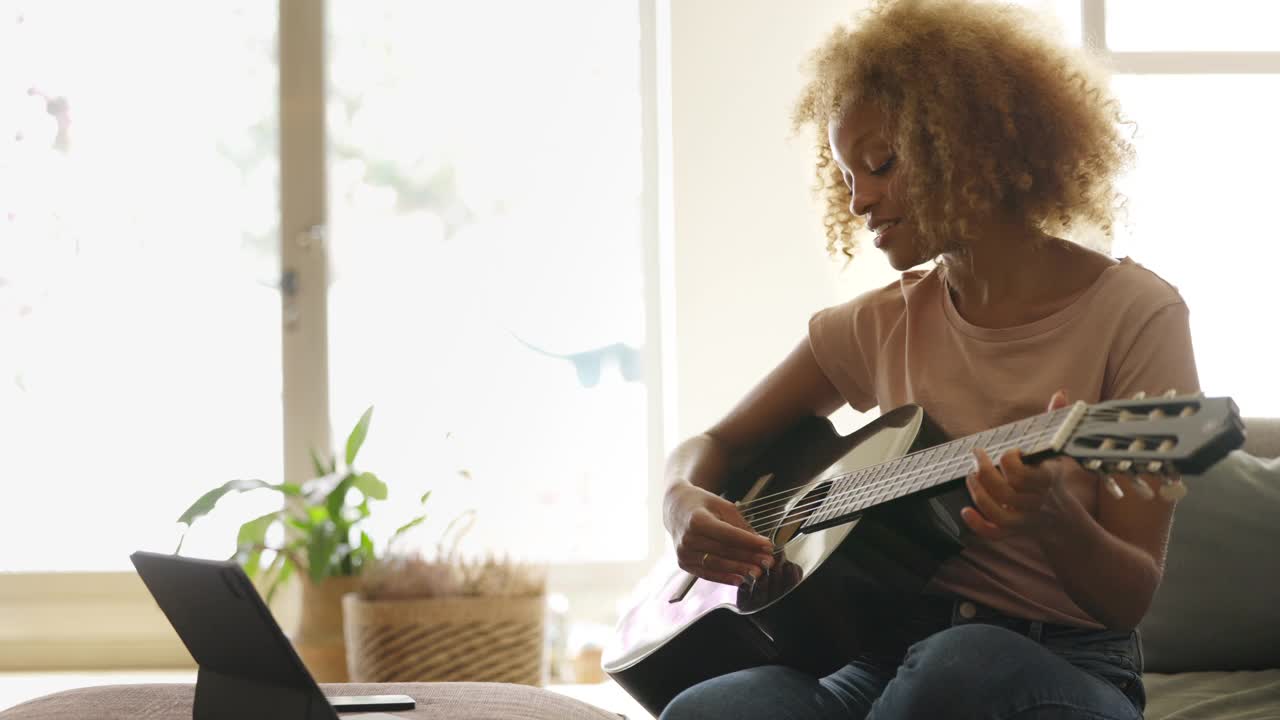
x=487 y=294
x=1193 y=25
x=1066 y=13
x=140 y=329
x=1199 y=212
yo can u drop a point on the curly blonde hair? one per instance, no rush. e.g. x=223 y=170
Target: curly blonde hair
x=987 y=111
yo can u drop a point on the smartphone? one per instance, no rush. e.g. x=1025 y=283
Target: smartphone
x=354 y=703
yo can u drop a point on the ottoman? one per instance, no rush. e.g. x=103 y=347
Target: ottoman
x=452 y=700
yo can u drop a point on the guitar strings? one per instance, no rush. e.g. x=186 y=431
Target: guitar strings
x=768 y=516
x=868 y=488
x=756 y=505
x=781 y=498
x=1046 y=416
x=761 y=516
x=783 y=495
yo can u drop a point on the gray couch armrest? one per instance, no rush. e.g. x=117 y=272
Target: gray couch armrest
x=1262 y=437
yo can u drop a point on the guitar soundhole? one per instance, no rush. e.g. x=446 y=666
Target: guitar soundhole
x=799 y=511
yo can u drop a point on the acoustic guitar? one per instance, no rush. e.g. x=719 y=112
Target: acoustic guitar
x=877 y=510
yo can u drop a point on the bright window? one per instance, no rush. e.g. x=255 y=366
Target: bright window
x=1066 y=13
x=139 y=323
x=487 y=265
x=1193 y=25
x=490 y=223
x=1197 y=199
x=1198 y=204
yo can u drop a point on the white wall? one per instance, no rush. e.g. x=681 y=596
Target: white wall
x=747 y=253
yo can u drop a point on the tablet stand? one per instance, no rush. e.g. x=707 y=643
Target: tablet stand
x=228 y=697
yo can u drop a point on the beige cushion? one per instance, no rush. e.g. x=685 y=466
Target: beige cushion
x=455 y=701
x=1213 y=696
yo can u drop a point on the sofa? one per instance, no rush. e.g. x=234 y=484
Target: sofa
x=1211 y=640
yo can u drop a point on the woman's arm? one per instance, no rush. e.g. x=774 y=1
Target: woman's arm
x=712 y=539
x=1107 y=552
x=1132 y=531
x=1109 y=566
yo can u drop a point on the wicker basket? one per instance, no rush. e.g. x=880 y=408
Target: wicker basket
x=468 y=638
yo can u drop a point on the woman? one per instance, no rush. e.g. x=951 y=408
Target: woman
x=960 y=132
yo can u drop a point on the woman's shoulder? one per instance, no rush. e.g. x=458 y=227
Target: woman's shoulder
x=1129 y=282
x=896 y=295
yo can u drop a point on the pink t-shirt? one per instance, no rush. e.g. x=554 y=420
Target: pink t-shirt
x=906 y=343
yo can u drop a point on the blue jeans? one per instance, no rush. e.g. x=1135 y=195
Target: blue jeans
x=980 y=664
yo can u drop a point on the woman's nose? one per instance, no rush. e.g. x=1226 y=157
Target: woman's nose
x=862 y=200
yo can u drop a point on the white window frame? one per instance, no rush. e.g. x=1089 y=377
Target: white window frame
x=1093 y=25
x=107 y=620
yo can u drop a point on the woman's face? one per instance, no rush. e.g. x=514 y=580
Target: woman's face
x=869 y=165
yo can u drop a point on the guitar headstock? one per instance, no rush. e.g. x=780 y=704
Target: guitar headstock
x=1167 y=435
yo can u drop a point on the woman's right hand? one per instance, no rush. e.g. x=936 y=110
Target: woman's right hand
x=712 y=539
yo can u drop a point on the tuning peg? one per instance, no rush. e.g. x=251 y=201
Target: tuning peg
x=1107 y=444
x=1173 y=491
x=1112 y=486
x=1140 y=395
x=1124 y=465
x=1170 y=393
x=1094 y=465
x=1155 y=466
x=1144 y=490
x=1187 y=411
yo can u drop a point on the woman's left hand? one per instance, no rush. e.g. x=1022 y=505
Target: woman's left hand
x=1020 y=498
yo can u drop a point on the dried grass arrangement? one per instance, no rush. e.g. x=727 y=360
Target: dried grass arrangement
x=413 y=577
x=419 y=618
x=446 y=573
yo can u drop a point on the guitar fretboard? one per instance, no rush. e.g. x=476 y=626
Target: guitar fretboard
x=875 y=485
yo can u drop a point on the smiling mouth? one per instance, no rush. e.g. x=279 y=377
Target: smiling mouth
x=882 y=230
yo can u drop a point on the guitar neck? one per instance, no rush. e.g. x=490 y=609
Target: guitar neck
x=1036 y=437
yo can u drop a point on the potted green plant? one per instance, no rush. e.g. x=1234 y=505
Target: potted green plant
x=324 y=543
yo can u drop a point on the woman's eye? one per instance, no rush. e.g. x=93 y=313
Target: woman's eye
x=886 y=166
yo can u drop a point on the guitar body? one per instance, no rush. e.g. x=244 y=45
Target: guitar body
x=800 y=613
